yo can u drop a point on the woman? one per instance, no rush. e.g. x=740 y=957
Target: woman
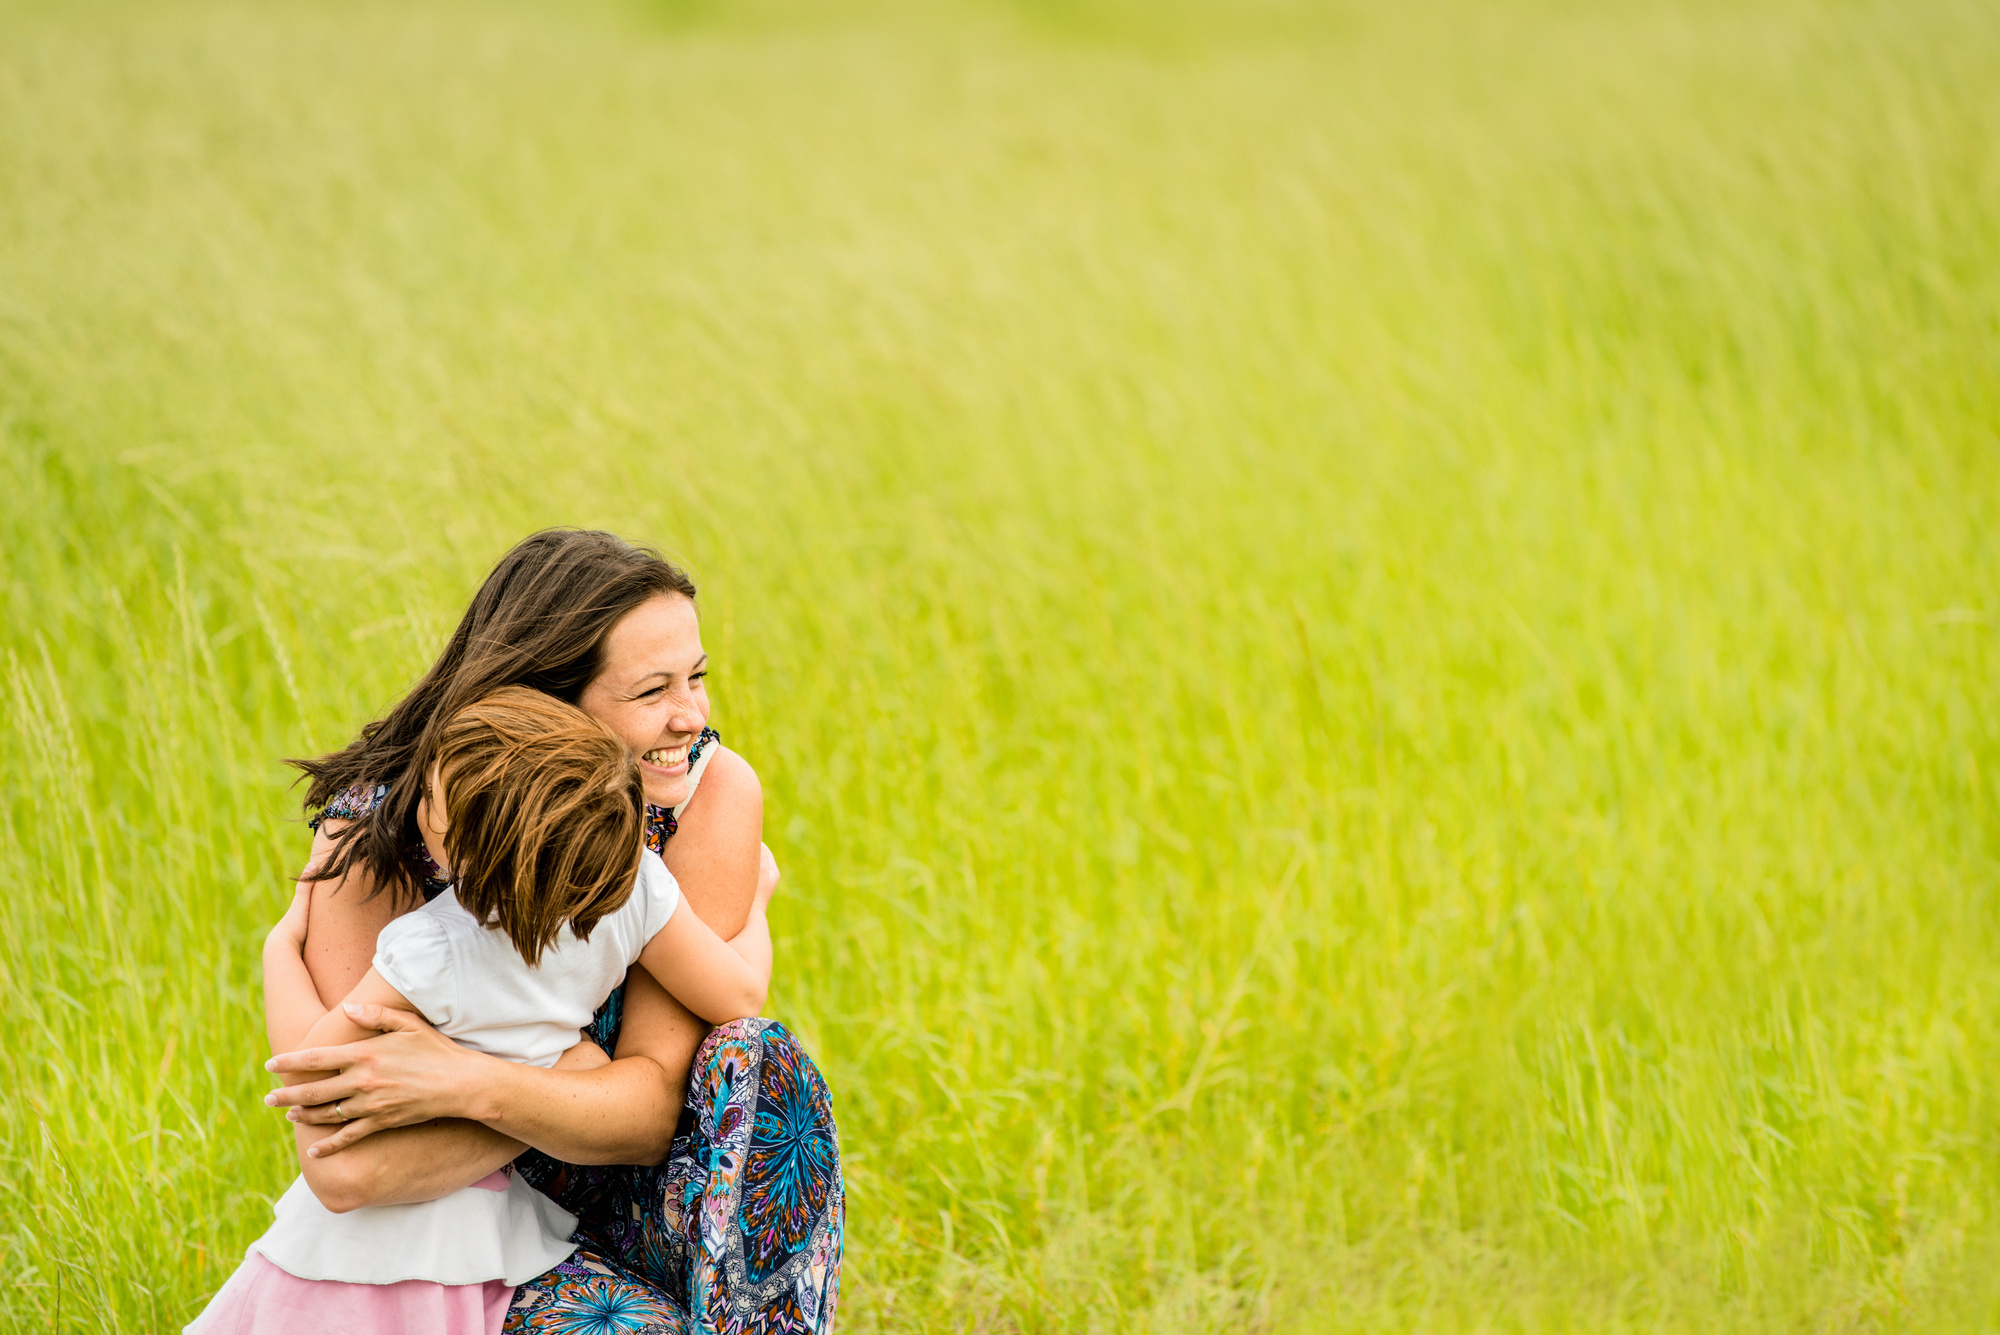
x=703 y=1166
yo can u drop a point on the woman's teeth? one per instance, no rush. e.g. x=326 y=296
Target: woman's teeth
x=666 y=759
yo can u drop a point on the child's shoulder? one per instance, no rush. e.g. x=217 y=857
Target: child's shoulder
x=655 y=881
x=655 y=897
x=433 y=938
x=626 y=929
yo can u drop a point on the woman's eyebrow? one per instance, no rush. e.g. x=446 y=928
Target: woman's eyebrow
x=699 y=664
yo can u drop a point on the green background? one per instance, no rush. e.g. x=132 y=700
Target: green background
x=1370 y=629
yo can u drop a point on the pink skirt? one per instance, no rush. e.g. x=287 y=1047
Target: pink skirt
x=261 y=1299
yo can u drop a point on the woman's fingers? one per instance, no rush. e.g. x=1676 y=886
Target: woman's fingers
x=351 y=1108
x=384 y=1018
x=401 y=1076
x=347 y=1135
x=320 y=1114
x=330 y=1090
x=317 y=1059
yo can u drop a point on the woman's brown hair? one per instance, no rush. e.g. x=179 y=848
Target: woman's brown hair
x=539 y=621
x=544 y=815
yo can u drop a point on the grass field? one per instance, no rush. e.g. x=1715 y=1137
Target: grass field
x=1372 y=630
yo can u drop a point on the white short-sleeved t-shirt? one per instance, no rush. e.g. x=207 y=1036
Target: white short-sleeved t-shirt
x=472 y=984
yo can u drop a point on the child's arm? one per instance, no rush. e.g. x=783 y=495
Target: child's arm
x=321 y=947
x=716 y=979
x=292 y=1005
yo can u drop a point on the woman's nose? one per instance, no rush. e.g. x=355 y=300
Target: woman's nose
x=684 y=717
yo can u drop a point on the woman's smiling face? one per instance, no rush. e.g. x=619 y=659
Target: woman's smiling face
x=649 y=690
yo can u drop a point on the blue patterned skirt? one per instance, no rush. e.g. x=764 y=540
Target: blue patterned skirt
x=739 y=1232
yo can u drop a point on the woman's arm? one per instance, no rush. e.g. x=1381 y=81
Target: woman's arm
x=586 y=1110
x=430 y=1159
x=416 y=1163
x=717 y=855
x=338 y=1187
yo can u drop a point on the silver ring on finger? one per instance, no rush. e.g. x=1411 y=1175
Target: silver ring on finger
x=340 y=1112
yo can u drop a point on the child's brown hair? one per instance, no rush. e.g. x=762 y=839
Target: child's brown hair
x=544 y=816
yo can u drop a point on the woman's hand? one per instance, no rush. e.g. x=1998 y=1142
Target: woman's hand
x=409 y=1073
x=377 y=1074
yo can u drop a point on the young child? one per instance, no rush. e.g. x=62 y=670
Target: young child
x=537 y=810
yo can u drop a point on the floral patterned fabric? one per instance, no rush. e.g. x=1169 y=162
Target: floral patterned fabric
x=661 y=821
x=363 y=798
x=740 y=1231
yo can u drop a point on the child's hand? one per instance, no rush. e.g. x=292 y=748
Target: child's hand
x=767 y=878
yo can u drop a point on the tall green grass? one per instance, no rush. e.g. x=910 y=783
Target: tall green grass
x=1370 y=630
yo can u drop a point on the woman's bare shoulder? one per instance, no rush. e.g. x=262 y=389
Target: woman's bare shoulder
x=715 y=853
x=727 y=785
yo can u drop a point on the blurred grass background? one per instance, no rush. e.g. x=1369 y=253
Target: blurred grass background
x=1370 y=629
